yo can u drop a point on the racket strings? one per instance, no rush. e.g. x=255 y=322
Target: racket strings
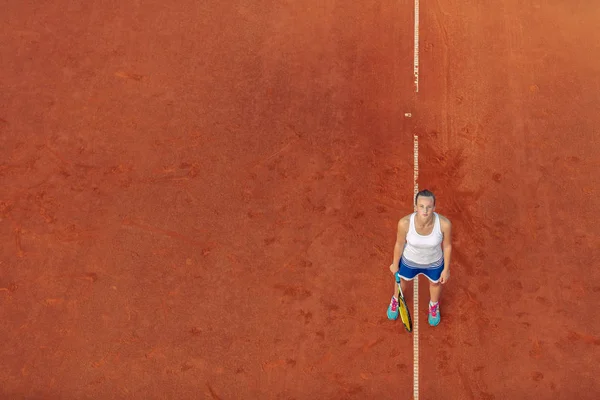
x=405 y=315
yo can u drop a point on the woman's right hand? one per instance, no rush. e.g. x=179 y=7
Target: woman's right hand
x=394 y=268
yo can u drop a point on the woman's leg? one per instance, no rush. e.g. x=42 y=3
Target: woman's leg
x=403 y=285
x=392 y=311
x=433 y=317
x=435 y=289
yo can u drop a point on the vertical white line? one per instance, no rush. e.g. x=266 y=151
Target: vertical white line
x=416 y=285
x=416 y=48
x=416 y=190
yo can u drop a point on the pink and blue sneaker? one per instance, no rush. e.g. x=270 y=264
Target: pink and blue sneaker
x=392 y=311
x=434 y=314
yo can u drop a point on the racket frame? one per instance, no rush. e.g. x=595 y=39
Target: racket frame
x=402 y=302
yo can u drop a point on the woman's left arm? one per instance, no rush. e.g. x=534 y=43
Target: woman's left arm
x=447 y=247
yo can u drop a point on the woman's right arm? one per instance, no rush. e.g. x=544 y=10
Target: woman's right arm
x=400 y=241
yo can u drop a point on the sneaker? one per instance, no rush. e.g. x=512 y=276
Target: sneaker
x=392 y=311
x=434 y=314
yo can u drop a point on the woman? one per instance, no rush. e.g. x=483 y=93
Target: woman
x=423 y=246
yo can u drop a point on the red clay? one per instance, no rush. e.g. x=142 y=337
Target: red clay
x=199 y=200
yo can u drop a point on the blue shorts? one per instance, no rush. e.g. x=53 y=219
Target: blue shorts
x=409 y=269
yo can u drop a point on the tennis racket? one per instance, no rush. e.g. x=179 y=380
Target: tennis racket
x=402 y=307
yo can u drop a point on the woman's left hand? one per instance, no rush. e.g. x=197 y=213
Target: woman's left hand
x=445 y=276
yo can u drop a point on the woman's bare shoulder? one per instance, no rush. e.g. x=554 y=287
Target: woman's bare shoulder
x=404 y=221
x=445 y=222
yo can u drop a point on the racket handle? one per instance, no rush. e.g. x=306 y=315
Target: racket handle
x=397 y=276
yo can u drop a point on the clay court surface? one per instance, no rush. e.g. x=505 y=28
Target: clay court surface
x=198 y=200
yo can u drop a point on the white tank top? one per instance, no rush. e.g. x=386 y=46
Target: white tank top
x=424 y=249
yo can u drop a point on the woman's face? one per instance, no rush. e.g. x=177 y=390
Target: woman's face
x=425 y=206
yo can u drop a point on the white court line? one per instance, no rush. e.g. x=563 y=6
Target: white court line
x=416 y=285
x=416 y=48
x=416 y=190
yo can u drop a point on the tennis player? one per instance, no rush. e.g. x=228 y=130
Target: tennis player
x=423 y=246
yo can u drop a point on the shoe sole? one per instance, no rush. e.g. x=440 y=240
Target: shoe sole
x=434 y=322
